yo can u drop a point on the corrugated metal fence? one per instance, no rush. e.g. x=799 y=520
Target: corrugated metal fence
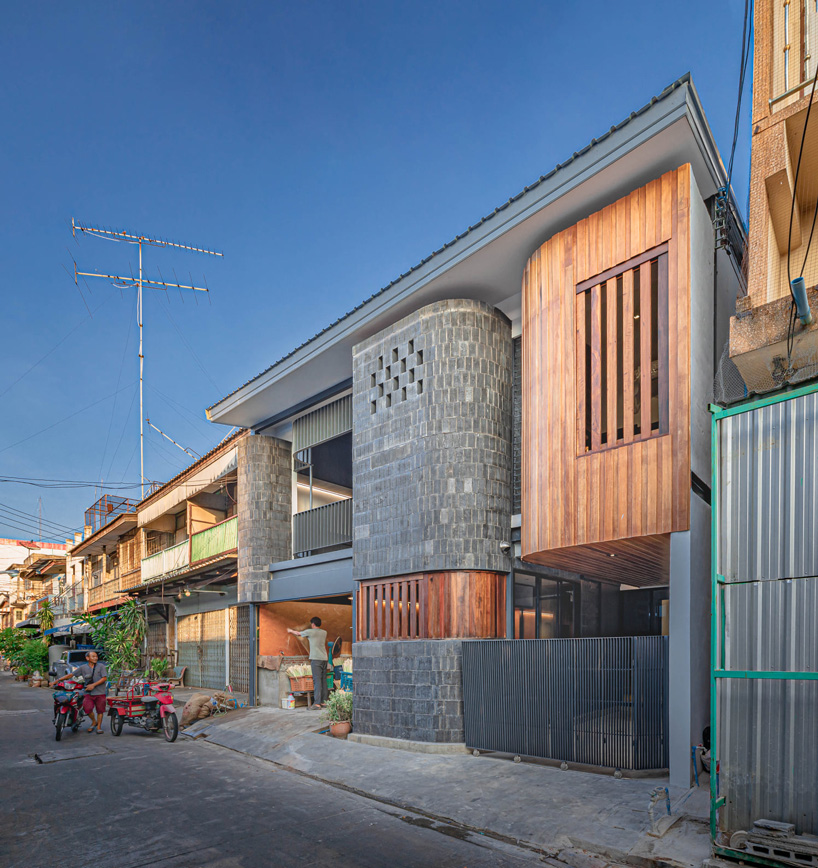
x=767 y=616
x=600 y=702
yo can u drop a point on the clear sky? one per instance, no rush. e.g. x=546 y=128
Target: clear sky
x=325 y=147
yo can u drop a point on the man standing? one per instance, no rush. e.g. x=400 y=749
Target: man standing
x=318 y=659
x=95 y=686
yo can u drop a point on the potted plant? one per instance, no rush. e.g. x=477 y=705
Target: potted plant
x=339 y=713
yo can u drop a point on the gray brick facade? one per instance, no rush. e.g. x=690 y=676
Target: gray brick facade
x=432 y=442
x=409 y=689
x=265 y=512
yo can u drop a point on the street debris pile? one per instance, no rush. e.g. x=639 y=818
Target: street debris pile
x=202 y=705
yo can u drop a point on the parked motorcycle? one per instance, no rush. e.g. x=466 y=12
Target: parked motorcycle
x=68 y=711
x=149 y=706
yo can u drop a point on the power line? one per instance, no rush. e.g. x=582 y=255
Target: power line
x=56 y=346
x=32 y=527
x=746 y=42
x=62 y=483
x=19 y=528
x=122 y=434
x=60 y=422
x=5 y=507
x=118 y=381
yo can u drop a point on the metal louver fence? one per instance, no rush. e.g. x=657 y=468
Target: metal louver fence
x=323 y=424
x=600 y=702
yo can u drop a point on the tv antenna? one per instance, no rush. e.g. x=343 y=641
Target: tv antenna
x=194 y=455
x=138 y=283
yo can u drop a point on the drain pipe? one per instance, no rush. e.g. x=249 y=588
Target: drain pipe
x=798 y=288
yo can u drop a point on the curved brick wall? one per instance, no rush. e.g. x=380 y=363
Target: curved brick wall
x=432 y=442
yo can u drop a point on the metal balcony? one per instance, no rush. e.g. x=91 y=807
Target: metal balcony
x=324 y=527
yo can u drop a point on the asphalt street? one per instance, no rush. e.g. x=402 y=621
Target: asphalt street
x=138 y=801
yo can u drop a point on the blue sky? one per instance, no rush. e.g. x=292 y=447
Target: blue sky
x=325 y=147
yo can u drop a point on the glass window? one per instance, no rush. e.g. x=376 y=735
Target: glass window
x=549 y=615
x=545 y=608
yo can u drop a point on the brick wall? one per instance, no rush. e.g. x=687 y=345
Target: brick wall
x=265 y=512
x=432 y=454
x=409 y=689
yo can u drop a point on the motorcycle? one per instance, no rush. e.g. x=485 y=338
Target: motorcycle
x=68 y=711
x=149 y=706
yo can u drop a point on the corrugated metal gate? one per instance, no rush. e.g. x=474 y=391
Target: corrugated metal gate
x=240 y=648
x=765 y=624
x=157 y=639
x=600 y=702
x=201 y=644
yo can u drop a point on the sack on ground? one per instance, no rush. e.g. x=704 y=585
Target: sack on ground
x=193 y=708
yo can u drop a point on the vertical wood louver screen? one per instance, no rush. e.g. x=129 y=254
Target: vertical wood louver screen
x=322 y=424
x=622 y=353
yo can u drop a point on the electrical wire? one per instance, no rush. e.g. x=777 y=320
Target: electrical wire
x=5 y=507
x=56 y=346
x=791 y=326
x=60 y=422
x=746 y=43
x=118 y=381
x=122 y=433
x=198 y=361
x=40 y=482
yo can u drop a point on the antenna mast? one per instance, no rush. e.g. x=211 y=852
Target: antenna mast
x=138 y=283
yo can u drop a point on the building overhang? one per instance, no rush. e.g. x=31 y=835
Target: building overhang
x=487 y=261
x=106 y=536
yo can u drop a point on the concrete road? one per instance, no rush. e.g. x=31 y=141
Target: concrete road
x=137 y=801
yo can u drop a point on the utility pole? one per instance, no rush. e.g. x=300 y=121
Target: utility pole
x=138 y=283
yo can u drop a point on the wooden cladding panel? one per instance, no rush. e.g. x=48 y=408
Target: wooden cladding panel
x=639 y=488
x=441 y=605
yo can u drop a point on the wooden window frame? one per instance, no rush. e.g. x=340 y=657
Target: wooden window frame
x=607 y=282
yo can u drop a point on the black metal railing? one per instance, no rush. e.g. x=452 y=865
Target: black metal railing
x=599 y=702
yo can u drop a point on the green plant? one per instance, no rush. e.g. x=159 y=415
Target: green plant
x=131 y=617
x=46 y=616
x=34 y=656
x=12 y=640
x=23 y=670
x=157 y=667
x=119 y=633
x=339 y=706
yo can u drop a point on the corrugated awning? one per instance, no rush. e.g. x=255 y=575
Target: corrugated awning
x=29 y=622
x=181 y=492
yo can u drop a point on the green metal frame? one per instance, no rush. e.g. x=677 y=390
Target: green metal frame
x=718 y=670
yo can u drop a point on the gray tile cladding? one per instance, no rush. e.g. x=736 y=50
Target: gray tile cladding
x=432 y=442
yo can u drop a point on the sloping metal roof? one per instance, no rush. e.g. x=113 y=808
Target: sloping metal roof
x=551 y=180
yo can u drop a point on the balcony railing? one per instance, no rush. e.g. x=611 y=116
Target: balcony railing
x=324 y=527
x=208 y=543
x=106 y=592
x=167 y=561
x=216 y=540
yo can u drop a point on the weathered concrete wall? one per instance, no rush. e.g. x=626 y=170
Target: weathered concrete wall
x=432 y=447
x=264 y=510
x=409 y=689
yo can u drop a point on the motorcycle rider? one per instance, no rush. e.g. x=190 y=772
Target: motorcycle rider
x=95 y=686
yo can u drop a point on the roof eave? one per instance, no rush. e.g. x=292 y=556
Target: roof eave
x=679 y=100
